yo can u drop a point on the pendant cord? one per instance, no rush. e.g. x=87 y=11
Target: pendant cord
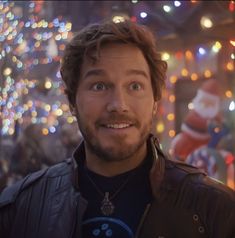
x=116 y=192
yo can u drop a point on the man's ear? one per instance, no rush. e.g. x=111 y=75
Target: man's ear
x=155 y=108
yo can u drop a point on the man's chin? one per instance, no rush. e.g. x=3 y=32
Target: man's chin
x=118 y=152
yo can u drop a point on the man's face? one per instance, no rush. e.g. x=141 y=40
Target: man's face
x=115 y=103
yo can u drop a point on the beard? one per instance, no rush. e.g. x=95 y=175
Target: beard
x=122 y=150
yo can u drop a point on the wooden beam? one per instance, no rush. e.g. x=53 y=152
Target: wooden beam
x=176 y=42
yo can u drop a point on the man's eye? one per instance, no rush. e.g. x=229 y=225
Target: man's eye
x=99 y=87
x=136 y=86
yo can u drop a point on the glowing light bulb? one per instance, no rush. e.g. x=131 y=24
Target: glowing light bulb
x=177 y=3
x=202 y=51
x=165 y=56
x=166 y=8
x=52 y=129
x=118 y=19
x=232 y=106
x=232 y=42
x=143 y=14
x=7 y=71
x=172 y=98
x=190 y=106
x=160 y=127
x=48 y=84
x=194 y=77
x=59 y=112
x=206 y=22
x=189 y=55
x=70 y=119
x=207 y=73
x=171 y=133
x=170 y=117
x=230 y=66
x=228 y=94
x=216 y=47
x=173 y=79
x=45 y=131
x=184 y=72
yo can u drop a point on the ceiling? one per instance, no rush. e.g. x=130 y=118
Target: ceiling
x=176 y=29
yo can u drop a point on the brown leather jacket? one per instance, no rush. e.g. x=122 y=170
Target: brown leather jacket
x=187 y=203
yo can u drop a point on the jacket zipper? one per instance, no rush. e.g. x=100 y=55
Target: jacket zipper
x=142 y=220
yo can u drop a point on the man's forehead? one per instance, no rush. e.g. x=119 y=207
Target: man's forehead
x=116 y=50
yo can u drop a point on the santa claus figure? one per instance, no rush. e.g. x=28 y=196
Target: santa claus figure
x=201 y=131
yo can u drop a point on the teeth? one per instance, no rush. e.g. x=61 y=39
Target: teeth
x=118 y=126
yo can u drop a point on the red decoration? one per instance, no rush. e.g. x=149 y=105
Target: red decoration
x=133 y=19
x=179 y=55
x=232 y=6
x=229 y=159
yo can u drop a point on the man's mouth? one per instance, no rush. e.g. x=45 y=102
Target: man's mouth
x=118 y=125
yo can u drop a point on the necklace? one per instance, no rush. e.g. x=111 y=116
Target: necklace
x=107 y=207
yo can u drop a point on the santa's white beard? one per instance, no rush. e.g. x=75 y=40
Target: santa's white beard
x=206 y=105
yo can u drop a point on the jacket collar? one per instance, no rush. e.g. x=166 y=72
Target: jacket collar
x=156 y=173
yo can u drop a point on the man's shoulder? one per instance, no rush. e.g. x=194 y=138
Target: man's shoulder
x=182 y=167
x=176 y=171
x=190 y=179
x=10 y=193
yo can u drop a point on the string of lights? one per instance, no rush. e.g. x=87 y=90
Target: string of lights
x=30 y=42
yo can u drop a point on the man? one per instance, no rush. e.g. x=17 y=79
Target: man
x=118 y=182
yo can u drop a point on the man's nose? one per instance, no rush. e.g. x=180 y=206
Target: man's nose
x=118 y=101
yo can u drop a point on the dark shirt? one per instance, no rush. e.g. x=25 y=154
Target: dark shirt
x=131 y=193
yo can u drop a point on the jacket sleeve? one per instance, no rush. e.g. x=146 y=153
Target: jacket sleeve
x=8 y=199
x=6 y=221
x=7 y=210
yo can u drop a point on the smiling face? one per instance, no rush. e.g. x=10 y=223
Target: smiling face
x=115 y=104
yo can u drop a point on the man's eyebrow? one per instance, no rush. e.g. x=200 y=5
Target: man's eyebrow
x=137 y=72
x=100 y=72
x=94 y=72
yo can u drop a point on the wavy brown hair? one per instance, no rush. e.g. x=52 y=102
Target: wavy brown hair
x=89 y=41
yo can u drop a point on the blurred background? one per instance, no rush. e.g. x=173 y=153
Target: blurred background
x=196 y=38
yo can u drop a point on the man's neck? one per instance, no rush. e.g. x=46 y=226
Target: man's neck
x=112 y=168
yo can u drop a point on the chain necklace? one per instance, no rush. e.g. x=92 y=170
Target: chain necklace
x=107 y=207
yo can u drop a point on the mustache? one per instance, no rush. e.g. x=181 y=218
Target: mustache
x=117 y=118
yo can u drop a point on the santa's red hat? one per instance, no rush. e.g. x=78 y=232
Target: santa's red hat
x=211 y=86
